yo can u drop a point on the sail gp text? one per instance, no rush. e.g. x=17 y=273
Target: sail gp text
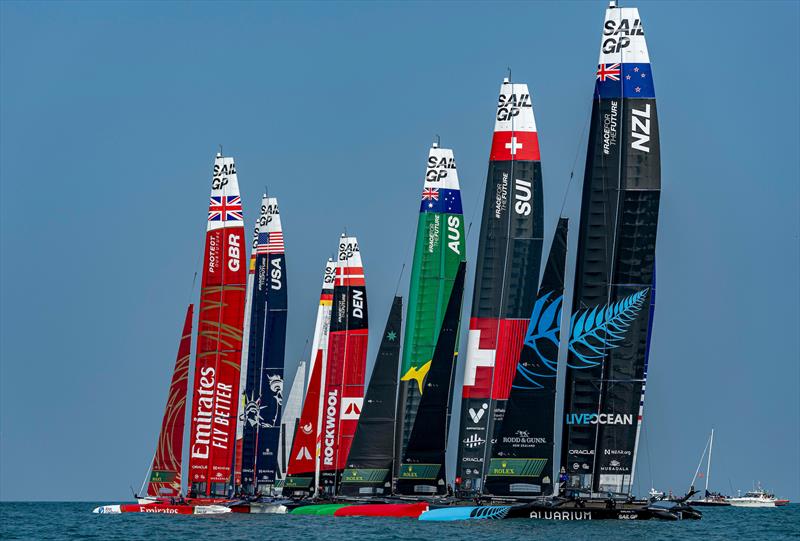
x=214 y=406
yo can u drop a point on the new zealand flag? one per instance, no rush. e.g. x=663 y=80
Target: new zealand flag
x=624 y=80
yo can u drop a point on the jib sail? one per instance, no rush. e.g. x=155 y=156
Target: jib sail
x=521 y=462
x=165 y=474
x=264 y=389
x=609 y=338
x=219 y=338
x=347 y=354
x=439 y=248
x=422 y=469
x=507 y=275
x=371 y=459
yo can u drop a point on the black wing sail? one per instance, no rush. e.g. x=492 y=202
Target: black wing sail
x=521 y=463
x=609 y=335
x=422 y=470
x=370 y=462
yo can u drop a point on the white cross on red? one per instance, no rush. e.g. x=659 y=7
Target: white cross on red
x=513 y=145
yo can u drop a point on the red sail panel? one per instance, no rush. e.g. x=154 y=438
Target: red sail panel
x=302 y=458
x=219 y=340
x=165 y=475
x=347 y=356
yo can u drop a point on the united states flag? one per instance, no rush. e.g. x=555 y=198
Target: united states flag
x=225 y=207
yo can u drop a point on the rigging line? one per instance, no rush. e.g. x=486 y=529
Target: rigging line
x=399 y=278
x=581 y=136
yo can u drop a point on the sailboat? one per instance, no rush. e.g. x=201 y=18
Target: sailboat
x=217 y=362
x=422 y=468
x=302 y=471
x=506 y=277
x=343 y=393
x=263 y=392
x=610 y=321
x=709 y=499
x=438 y=250
x=292 y=408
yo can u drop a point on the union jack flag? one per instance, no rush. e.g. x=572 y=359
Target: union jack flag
x=608 y=71
x=225 y=207
x=430 y=193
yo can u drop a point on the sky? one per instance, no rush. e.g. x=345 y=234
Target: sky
x=111 y=113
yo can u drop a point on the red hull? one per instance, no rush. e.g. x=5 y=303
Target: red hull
x=410 y=510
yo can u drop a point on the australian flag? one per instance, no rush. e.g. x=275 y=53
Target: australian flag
x=624 y=80
x=444 y=200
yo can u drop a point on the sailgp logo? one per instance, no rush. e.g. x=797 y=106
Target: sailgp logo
x=599 y=419
x=477 y=415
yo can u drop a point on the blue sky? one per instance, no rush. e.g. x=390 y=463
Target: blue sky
x=111 y=114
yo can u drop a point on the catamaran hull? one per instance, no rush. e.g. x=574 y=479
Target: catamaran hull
x=544 y=512
x=411 y=510
x=271 y=508
x=162 y=509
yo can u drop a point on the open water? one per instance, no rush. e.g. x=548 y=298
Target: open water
x=74 y=520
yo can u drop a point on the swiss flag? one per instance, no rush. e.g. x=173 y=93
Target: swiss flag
x=517 y=145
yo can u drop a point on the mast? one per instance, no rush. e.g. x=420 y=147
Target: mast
x=302 y=472
x=344 y=379
x=506 y=279
x=439 y=248
x=614 y=279
x=165 y=473
x=264 y=389
x=521 y=462
x=219 y=338
x=291 y=416
x=423 y=469
x=371 y=458
x=708 y=466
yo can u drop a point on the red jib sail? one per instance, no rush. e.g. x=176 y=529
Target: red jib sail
x=219 y=339
x=347 y=356
x=165 y=475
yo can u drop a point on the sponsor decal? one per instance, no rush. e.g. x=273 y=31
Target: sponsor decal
x=617 y=452
x=522 y=437
x=303 y=454
x=351 y=408
x=562 y=515
x=307 y=428
x=419 y=471
x=214 y=404
x=599 y=418
x=473 y=441
x=581 y=451
x=477 y=415
x=329 y=438
x=517 y=467
x=610 y=121
x=364 y=475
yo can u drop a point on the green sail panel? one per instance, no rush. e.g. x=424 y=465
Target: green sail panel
x=439 y=249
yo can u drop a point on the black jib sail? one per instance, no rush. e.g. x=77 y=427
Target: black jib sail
x=422 y=469
x=506 y=278
x=521 y=463
x=609 y=338
x=370 y=462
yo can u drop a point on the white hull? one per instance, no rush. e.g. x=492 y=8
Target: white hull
x=751 y=502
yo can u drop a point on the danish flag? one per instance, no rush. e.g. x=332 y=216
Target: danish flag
x=225 y=207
